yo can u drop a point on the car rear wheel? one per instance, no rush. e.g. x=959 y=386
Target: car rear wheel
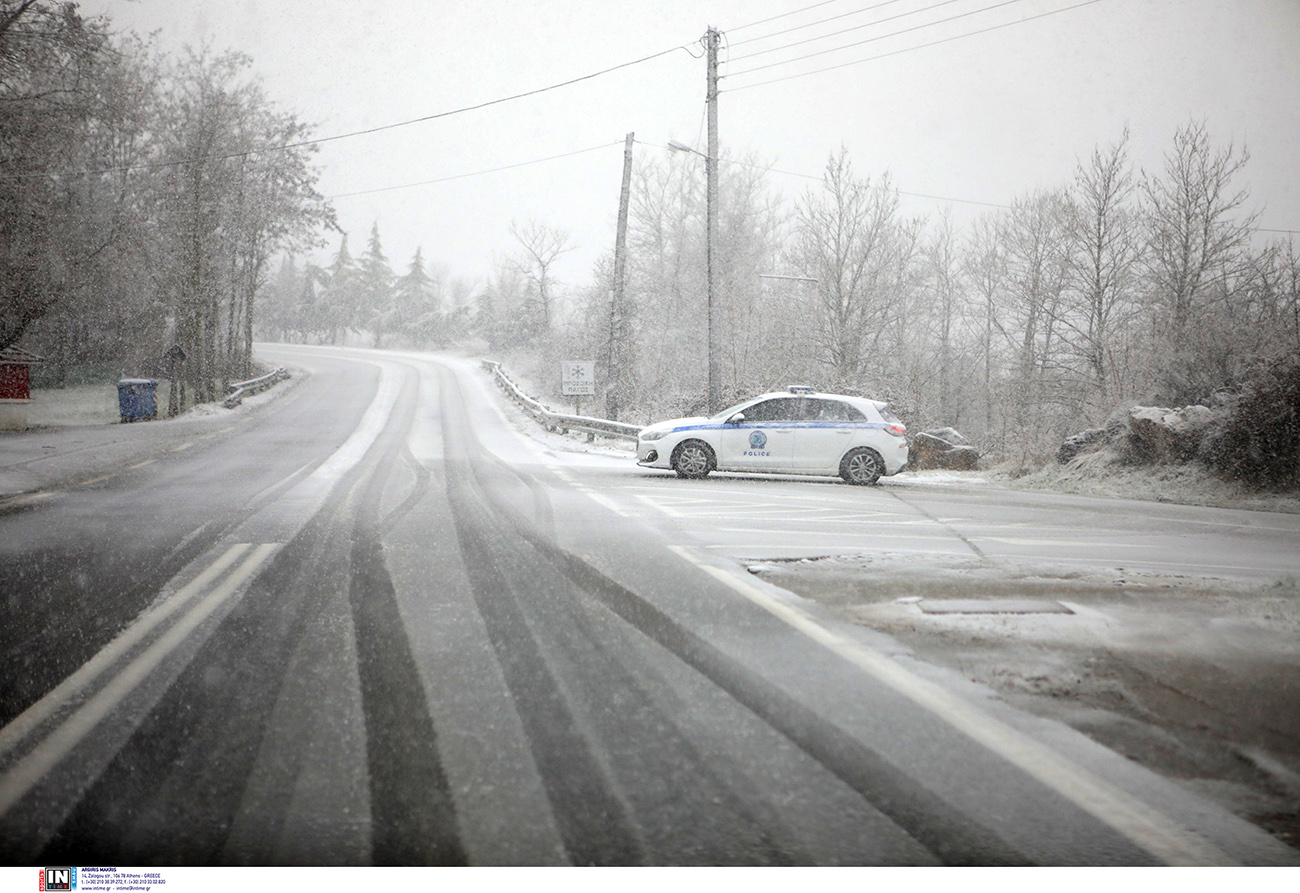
x=862 y=466
x=693 y=459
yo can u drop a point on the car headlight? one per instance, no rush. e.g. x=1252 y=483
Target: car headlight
x=652 y=435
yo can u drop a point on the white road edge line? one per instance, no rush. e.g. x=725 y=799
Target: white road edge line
x=667 y=510
x=12 y=734
x=34 y=766
x=1132 y=818
x=600 y=498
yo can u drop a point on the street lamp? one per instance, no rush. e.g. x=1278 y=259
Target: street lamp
x=710 y=233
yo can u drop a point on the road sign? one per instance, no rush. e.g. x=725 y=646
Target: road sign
x=578 y=378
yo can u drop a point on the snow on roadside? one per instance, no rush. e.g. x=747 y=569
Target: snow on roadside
x=91 y=404
x=1181 y=484
x=97 y=404
x=573 y=442
x=79 y=440
x=938 y=477
x=1192 y=677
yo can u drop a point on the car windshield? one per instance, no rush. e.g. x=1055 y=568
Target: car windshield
x=732 y=410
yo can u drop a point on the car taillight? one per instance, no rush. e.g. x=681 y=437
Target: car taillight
x=897 y=430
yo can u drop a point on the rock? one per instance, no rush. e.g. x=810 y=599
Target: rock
x=1145 y=435
x=1168 y=435
x=937 y=449
x=950 y=436
x=1075 y=444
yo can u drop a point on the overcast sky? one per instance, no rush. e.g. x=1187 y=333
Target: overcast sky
x=983 y=118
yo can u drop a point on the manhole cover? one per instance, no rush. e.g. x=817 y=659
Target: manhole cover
x=992 y=606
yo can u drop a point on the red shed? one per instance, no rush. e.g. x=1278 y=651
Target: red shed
x=15 y=373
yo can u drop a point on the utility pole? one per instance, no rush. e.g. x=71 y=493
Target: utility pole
x=617 y=315
x=711 y=235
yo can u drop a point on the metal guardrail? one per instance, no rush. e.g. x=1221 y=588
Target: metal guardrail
x=558 y=421
x=244 y=389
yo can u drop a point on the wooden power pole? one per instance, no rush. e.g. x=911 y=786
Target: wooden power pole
x=618 y=334
x=711 y=235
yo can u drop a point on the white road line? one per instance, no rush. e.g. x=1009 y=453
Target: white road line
x=667 y=510
x=779 y=510
x=590 y=493
x=186 y=540
x=52 y=749
x=760 y=517
x=26 y=499
x=68 y=690
x=866 y=534
x=956 y=547
x=1129 y=816
x=1181 y=569
x=257 y=497
x=605 y=501
x=1077 y=543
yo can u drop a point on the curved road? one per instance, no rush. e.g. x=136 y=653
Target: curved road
x=372 y=623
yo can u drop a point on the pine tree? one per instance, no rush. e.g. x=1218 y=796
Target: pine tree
x=342 y=293
x=376 y=289
x=415 y=310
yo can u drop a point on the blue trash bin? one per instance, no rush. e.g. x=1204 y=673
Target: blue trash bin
x=136 y=399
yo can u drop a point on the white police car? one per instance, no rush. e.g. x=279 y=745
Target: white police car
x=793 y=432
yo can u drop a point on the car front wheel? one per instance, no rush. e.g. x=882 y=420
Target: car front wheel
x=862 y=466
x=693 y=459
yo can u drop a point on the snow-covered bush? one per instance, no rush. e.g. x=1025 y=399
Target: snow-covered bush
x=1258 y=443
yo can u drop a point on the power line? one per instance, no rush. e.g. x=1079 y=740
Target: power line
x=893 y=18
x=922 y=46
x=349 y=135
x=922 y=195
x=819 y=178
x=859 y=43
x=476 y=173
x=491 y=102
x=793 y=28
x=781 y=16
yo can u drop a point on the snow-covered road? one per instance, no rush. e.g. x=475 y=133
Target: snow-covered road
x=372 y=622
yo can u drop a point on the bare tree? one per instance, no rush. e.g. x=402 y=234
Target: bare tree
x=1104 y=250
x=541 y=245
x=850 y=238
x=1198 y=236
x=753 y=328
x=665 y=289
x=985 y=266
x=943 y=287
x=1034 y=240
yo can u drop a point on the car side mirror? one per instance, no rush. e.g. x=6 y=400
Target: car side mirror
x=736 y=419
